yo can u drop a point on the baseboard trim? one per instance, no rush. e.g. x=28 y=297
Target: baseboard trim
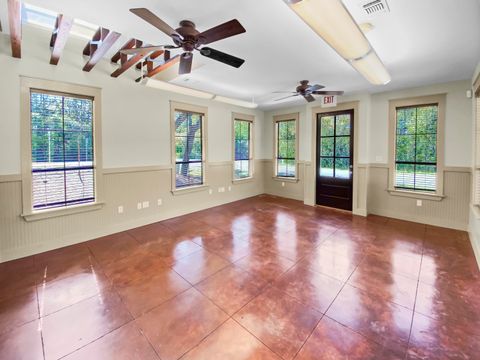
x=421 y=220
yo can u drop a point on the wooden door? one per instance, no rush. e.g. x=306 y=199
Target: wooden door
x=335 y=159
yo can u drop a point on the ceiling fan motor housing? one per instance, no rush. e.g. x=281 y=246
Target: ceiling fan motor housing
x=189 y=33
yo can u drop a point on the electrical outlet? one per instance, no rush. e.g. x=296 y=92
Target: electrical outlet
x=146 y=204
x=229 y=188
x=419 y=202
x=139 y=206
x=283 y=184
x=210 y=191
x=221 y=189
x=159 y=202
x=120 y=209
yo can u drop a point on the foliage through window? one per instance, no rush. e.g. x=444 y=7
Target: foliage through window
x=416 y=147
x=286 y=148
x=62 y=150
x=188 y=149
x=242 y=129
x=335 y=145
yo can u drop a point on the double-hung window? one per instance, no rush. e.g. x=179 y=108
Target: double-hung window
x=417 y=146
x=60 y=168
x=189 y=145
x=286 y=146
x=243 y=147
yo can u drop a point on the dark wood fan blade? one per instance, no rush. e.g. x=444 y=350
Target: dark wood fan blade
x=315 y=87
x=185 y=64
x=222 y=57
x=143 y=50
x=223 y=31
x=154 y=20
x=286 y=97
x=328 y=92
x=309 y=98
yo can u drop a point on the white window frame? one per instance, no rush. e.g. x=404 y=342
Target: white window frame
x=251 y=120
x=179 y=106
x=440 y=101
x=276 y=119
x=26 y=85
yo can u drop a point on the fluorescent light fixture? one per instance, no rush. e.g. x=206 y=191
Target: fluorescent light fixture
x=371 y=67
x=231 y=101
x=162 y=85
x=331 y=20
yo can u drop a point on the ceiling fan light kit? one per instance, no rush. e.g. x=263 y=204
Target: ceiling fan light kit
x=333 y=23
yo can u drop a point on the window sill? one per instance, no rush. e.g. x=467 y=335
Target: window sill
x=285 y=179
x=189 y=189
x=417 y=194
x=243 y=180
x=51 y=213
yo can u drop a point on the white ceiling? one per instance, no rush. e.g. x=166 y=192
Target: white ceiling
x=420 y=42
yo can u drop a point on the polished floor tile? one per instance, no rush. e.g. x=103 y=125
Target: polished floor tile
x=199 y=265
x=248 y=280
x=125 y=343
x=268 y=264
x=56 y=295
x=373 y=317
x=437 y=339
x=231 y=341
x=331 y=263
x=309 y=287
x=331 y=340
x=23 y=343
x=279 y=321
x=146 y=292
x=74 y=327
x=18 y=310
x=231 y=288
x=393 y=287
x=181 y=323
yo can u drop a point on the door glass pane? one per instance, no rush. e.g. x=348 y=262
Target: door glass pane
x=343 y=124
x=326 y=167
x=342 y=168
x=327 y=125
x=342 y=146
x=326 y=146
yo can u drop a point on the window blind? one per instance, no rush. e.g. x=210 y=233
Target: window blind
x=188 y=149
x=242 y=129
x=286 y=148
x=62 y=150
x=416 y=148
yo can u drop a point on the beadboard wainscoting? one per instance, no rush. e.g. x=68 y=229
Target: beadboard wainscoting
x=452 y=211
x=123 y=187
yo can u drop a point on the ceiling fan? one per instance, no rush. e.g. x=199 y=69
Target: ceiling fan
x=307 y=91
x=189 y=39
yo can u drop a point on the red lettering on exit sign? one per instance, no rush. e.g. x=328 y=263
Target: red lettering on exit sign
x=329 y=101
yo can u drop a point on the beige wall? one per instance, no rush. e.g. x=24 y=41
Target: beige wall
x=474 y=224
x=136 y=151
x=136 y=154
x=123 y=187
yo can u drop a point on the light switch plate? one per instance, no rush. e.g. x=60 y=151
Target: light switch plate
x=146 y=204
x=139 y=206
x=120 y=209
x=159 y=202
x=419 y=203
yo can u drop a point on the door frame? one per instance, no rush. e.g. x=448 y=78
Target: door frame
x=354 y=105
x=351 y=148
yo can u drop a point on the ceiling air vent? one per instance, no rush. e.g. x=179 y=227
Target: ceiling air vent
x=375 y=7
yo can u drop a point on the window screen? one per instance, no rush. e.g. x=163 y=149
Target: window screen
x=188 y=149
x=242 y=130
x=416 y=148
x=62 y=150
x=286 y=148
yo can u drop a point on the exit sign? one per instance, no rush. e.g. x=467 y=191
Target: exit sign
x=329 y=101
